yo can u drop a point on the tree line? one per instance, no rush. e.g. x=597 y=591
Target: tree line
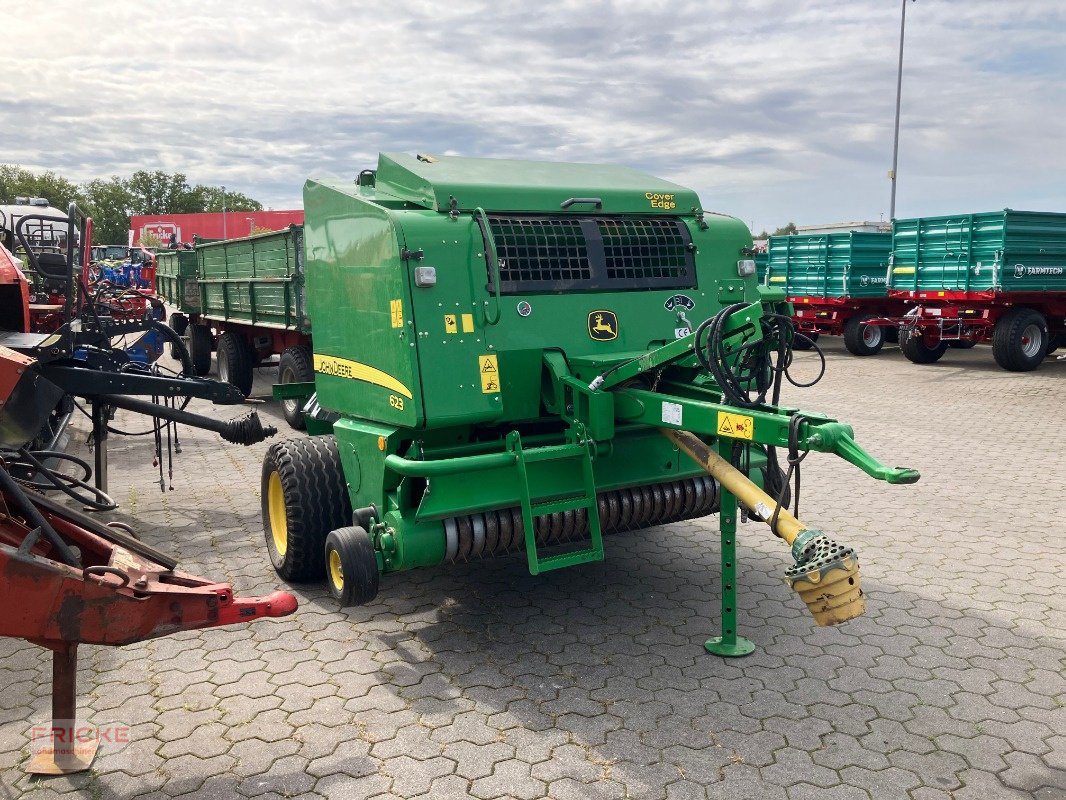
x=112 y=201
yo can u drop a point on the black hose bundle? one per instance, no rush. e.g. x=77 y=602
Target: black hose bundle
x=751 y=372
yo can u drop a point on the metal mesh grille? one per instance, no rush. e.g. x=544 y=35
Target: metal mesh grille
x=542 y=254
x=635 y=249
x=540 y=250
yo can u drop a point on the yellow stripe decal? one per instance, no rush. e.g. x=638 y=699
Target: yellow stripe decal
x=903 y=271
x=353 y=370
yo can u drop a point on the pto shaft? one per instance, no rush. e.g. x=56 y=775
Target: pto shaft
x=826 y=574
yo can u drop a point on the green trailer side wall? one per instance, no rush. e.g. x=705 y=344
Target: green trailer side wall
x=850 y=264
x=257 y=280
x=1009 y=251
x=175 y=279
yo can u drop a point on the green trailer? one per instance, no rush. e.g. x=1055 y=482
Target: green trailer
x=249 y=305
x=522 y=358
x=837 y=283
x=997 y=277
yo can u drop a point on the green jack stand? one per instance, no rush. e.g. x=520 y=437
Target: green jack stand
x=729 y=644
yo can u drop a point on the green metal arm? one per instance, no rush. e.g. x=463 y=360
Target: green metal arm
x=765 y=425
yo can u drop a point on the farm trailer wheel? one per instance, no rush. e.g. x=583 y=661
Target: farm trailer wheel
x=304 y=497
x=295 y=366
x=862 y=339
x=913 y=345
x=1020 y=340
x=179 y=323
x=200 y=348
x=235 y=361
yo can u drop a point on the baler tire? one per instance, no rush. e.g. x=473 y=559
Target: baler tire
x=804 y=344
x=1009 y=346
x=235 y=362
x=179 y=323
x=917 y=351
x=351 y=566
x=200 y=349
x=309 y=499
x=860 y=339
x=295 y=366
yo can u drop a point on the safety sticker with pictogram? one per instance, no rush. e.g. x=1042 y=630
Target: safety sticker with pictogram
x=490 y=374
x=735 y=426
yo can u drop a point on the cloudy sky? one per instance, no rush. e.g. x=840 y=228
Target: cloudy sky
x=773 y=110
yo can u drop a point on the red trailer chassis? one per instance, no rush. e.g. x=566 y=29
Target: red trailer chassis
x=849 y=317
x=1023 y=327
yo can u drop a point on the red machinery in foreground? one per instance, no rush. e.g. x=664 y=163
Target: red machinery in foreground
x=66 y=579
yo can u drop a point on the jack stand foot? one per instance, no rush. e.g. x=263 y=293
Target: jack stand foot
x=68 y=750
x=735 y=649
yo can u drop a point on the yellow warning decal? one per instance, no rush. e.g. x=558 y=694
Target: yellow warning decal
x=490 y=374
x=903 y=270
x=450 y=324
x=468 y=323
x=353 y=370
x=735 y=426
x=778 y=279
x=396 y=310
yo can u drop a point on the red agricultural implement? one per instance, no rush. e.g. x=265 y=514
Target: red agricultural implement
x=66 y=579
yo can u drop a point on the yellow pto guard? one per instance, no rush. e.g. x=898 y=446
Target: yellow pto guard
x=826 y=574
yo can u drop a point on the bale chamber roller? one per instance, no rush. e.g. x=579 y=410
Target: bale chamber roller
x=521 y=357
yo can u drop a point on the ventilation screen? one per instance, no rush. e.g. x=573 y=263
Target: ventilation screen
x=551 y=254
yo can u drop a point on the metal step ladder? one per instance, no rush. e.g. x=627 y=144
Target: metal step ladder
x=532 y=507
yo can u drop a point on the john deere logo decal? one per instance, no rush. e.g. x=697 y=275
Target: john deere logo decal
x=603 y=325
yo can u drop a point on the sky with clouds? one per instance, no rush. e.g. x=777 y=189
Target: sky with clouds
x=773 y=110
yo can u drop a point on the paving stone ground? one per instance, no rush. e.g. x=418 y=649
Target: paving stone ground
x=482 y=681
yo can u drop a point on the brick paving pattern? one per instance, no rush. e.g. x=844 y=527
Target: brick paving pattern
x=482 y=681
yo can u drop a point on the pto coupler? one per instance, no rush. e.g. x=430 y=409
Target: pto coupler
x=825 y=574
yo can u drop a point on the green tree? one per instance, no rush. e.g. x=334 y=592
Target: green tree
x=160 y=193
x=209 y=198
x=787 y=230
x=110 y=203
x=18 y=182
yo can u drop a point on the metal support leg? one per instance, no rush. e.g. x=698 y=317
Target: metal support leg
x=63 y=755
x=99 y=415
x=729 y=644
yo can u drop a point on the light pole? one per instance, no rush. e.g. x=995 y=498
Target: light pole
x=899 y=91
x=224 y=236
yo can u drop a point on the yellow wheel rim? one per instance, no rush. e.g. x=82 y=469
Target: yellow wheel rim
x=279 y=526
x=336 y=572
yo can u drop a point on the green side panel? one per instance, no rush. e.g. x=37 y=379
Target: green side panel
x=360 y=303
x=533 y=186
x=364 y=461
x=175 y=279
x=454 y=343
x=849 y=264
x=258 y=280
x=1009 y=251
